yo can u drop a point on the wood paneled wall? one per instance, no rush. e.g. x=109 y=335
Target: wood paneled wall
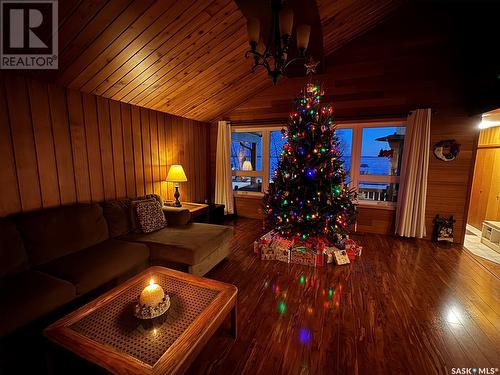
x=59 y=146
x=375 y=220
x=404 y=64
x=485 y=193
x=249 y=206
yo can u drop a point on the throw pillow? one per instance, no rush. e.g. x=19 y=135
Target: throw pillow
x=133 y=213
x=150 y=215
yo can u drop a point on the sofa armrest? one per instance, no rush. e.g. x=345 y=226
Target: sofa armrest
x=176 y=215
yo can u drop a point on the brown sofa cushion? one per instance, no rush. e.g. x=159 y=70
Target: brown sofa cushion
x=30 y=295
x=13 y=258
x=117 y=214
x=99 y=264
x=53 y=233
x=176 y=215
x=187 y=244
x=151 y=196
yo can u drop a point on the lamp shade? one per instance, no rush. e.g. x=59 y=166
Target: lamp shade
x=286 y=21
x=303 y=33
x=247 y=166
x=176 y=174
x=253 y=29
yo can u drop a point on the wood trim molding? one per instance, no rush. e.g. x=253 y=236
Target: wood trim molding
x=495 y=145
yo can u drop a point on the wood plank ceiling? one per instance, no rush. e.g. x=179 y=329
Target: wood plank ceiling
x=345 y=20
x=181 y=57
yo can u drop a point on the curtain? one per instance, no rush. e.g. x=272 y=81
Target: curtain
x=223 y=185
x=410 y=214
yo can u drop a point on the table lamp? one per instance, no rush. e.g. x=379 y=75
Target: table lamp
x=176 y=174
x=247 y=166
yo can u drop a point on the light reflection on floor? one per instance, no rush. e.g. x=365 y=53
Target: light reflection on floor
x=328 y=297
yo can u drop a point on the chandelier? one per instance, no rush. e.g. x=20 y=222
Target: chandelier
x=274 y=54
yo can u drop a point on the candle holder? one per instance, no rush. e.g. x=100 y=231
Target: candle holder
x=152 y=302
x=150 y=312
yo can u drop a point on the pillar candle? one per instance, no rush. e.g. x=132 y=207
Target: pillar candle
x=152 y=295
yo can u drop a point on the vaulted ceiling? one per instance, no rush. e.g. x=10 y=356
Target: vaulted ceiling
x=182 y=57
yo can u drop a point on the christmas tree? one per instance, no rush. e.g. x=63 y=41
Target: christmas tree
x=308 y=196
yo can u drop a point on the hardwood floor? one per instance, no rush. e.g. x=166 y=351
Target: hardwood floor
x=405 y=307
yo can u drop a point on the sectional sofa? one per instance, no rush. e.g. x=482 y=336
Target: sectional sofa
x=51 y=257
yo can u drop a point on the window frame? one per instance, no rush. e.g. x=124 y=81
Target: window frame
x=264 y=173
x=355 y=176
x=355 y=172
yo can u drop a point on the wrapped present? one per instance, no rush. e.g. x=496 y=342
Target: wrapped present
x=281 y=244
x=283 y=255
x=305 y=256
x=267 y=252
x=263 y=244
x=341 y=257
x=328 y=251
x=320 y=246
x=352 y=248
x=348 y=243
x=268 y=256
x=350 y=253
x=281 y=247
x=320 y=259
x=273 y=246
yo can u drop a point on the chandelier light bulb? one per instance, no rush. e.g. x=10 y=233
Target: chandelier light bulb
x=286 y=22
x=253 y=29
x=303 y=34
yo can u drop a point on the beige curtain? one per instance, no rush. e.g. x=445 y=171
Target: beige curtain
x=410 y=214
x=223 y=185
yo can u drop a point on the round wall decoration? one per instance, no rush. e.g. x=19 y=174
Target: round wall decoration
x=446 y=150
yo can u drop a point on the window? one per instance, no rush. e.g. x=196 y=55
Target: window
x=247 y=183
x=246 y=151
x=377 y=151
x=381 y=151
x=372 y=155
x=277 y=141
x=255 y=153
x=345 y=141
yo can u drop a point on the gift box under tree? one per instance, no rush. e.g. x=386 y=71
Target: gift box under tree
x=262 y=247
x=306 y=256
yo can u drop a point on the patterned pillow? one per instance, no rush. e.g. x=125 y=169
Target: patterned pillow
x=150 y=216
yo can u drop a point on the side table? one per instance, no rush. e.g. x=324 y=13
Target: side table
x=203 y=213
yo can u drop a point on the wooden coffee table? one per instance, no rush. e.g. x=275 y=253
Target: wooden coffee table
x=106 y=333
